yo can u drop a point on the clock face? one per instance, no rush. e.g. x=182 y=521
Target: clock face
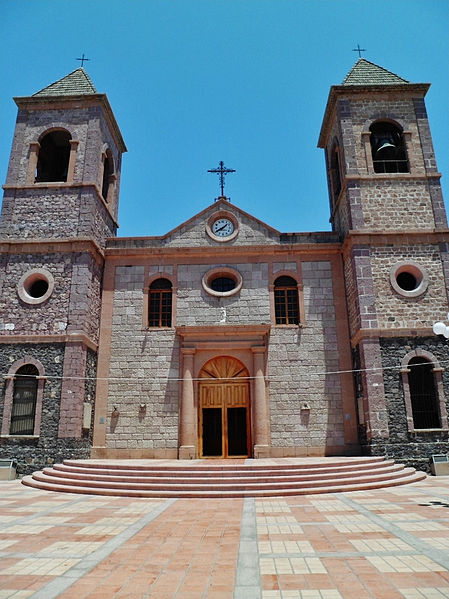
x=223 y=227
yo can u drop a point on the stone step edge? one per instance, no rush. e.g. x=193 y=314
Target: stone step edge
x=236 y=471
x=42 y=476
x=188 y=465
x=119 y=476
x=30 y=482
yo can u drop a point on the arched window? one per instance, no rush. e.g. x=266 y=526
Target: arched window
x=108 y=170
x=335 y=175
x=160 y=303
x=24 y=400
x=286 y=302
x=423 y=394
x=54 y=156
x=388 y=148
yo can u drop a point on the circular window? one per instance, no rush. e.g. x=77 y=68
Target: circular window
x=222 y=282
x=408 y=279
x=35 y=286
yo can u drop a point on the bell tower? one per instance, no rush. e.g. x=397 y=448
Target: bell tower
x=386 y=203
x=60 y=205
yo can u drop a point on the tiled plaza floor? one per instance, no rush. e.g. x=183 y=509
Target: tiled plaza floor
x=385 y=544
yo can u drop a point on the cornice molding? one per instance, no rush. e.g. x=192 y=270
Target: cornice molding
x=390 y=333
x=65 y=338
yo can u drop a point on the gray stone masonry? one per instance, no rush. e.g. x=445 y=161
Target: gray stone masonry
x=74 y=305
x=36 y=453
x=413 y=449
x=300 y=363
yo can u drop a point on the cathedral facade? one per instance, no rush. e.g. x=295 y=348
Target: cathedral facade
x=224 y=338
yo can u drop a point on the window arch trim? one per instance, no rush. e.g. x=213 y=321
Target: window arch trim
x=9 y=395
x=405 y=136
x=439 y=389
x=34 y=149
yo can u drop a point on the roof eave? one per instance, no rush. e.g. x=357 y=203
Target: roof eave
x=340 y=90
x=55 y=100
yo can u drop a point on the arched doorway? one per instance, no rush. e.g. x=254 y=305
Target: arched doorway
x=223 y=409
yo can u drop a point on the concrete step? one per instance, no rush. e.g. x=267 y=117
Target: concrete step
x=268 y=478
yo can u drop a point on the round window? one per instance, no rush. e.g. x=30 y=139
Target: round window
x=408 y=279
x=222 y=282
x=35 y=286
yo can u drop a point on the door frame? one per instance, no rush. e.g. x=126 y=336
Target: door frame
x=219 y=397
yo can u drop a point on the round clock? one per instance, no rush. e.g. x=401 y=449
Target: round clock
x=223 y=227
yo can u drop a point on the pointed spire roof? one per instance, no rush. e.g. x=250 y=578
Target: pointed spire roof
x=365 y=77
x=75 y=83
x=365 y=72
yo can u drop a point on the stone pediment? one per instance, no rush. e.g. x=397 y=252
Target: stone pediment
x=221 y=224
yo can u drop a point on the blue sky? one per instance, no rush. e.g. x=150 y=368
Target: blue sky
x=193 y=82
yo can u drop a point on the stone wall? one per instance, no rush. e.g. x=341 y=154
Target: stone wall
x=34 y=453
x=55 y=212
x=196 y=307
x=302 y=367
x=251 y=232
x=144 y=369
x=302 y=362
x=73 y=306
x=413 y=449
x=396 y=311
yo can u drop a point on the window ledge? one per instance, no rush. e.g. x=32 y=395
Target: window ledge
x=429 y=430
x=289 y=326
x=19 y=436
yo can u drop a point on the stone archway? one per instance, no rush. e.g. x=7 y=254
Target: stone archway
x=224 y=409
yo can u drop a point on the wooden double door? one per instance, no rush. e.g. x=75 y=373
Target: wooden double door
x=224 y=415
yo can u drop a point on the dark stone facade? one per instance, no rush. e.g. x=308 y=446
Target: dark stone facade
x=35 y=453
x=411 y=448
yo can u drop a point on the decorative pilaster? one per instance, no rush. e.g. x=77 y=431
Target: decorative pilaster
x=261 y=425
x=187 y=430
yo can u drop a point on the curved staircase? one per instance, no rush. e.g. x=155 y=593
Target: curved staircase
x=219 y=478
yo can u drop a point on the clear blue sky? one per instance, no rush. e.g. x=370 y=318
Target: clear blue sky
x=193 y=82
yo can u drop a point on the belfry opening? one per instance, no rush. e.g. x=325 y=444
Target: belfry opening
x=223 y=409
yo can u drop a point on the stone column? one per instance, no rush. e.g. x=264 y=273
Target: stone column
x=187 y=429
x=72 y=160
x=374 y=402
x=32 y=163
x=260 y=412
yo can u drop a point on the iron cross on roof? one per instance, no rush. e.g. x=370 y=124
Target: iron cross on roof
x=359 y=50
x=83 y=60
x=221 y=171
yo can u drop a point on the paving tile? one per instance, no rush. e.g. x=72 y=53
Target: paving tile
x=381 y=544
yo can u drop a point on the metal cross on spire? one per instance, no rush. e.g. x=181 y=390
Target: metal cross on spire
x=83 y=59
x=222 y=171
x=359 y=50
